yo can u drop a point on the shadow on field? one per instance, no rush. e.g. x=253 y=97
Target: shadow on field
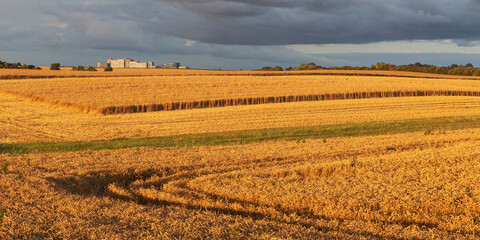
x=97 y=184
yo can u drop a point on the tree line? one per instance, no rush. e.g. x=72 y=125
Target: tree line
x=53 y=66
x=454 y=69
x=17 y=66
x=56 y=66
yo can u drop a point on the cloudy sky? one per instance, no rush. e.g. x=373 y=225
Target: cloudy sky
x=235 y=34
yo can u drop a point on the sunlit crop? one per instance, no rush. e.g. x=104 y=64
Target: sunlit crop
x=146 y=94
x=32 y=121
x=407 y=177
x=400 y=186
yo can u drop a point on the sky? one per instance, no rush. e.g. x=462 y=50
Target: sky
x=234 y=34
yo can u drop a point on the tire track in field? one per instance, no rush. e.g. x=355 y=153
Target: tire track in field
x=172 y=186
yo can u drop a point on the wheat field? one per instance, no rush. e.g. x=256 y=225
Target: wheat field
x=412 y=186
x=146 y=94
x=66 y=72
x=31 y=121
x=420 y=183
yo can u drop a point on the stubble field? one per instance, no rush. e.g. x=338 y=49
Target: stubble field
x=114 y=95
x=368 y=179
x=66 y=72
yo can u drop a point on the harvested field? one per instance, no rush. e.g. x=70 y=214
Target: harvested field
x=145 y=94
x=406 y=168
x=23 y=121
x=407 y=186
x=66 y=72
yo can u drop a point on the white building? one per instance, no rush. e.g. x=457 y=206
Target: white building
x=125 y=63
x=130 y=63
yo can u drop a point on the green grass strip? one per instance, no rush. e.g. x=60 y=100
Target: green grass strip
x=427 y=125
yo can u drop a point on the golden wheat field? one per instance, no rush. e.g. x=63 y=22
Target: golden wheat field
x=24 y=121
x=151 y=90
x=357 y=183
x=45 y=72
x=67 y=72
x=146 y=94
x=407 y=186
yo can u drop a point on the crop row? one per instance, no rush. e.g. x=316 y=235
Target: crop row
x=237 y=101
x=282 y=99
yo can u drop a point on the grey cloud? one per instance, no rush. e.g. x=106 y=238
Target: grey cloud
x=438 y=59
x=269 y=22
x=317 y=22
x=235 y=31
x=127 y=29
x=306 y=4
x=225 y=10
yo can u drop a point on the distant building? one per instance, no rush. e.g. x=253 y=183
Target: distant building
x=125 y=63
x=169 y=66
x=130 y=63
x=103 y=65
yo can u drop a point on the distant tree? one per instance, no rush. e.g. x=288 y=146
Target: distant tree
x=346 y=67
x=456 y=71
x=90 y=68
x=289 y=69
x=453 y=66
x=268 y=68
x=469 y=65
x=308 y=66
x=78 y=68
x=276 y=68
x=8 y=65
x=441 y=70
x=55 y=66
x=383 y=66
x=108 y=69
x=25 y=66
x=16 y=66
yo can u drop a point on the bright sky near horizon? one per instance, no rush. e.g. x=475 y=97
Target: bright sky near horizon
x=234 y=34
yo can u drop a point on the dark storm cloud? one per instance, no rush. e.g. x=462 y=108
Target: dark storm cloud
x=276 y=22
x=136 y=27
x=90 y=31
x=266 y=22
x=248 y=32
